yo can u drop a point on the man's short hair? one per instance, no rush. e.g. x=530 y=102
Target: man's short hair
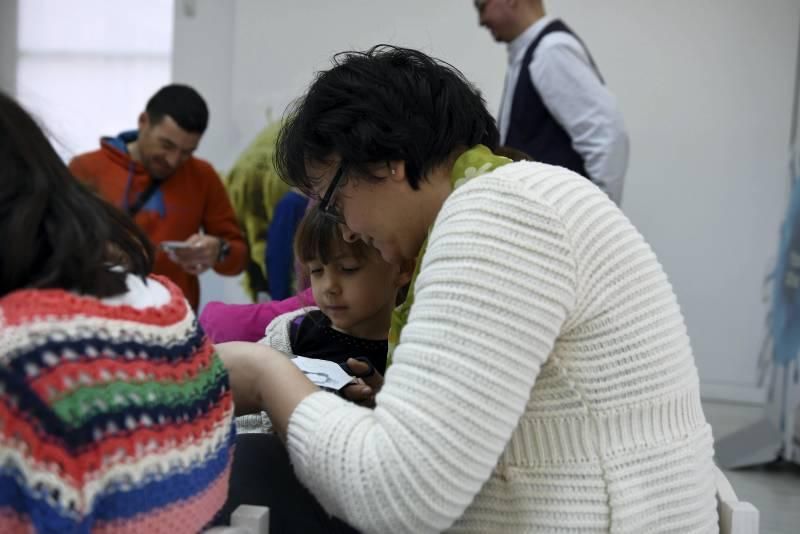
x=181 y=102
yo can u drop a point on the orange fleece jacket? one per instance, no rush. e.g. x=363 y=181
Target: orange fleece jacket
x=192 y=198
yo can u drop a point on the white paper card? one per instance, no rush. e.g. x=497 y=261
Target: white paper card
x=323 y=373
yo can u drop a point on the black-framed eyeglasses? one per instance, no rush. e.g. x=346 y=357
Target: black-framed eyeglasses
x=327 y=205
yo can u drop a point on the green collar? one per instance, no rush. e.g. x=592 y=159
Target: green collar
x=472 y=163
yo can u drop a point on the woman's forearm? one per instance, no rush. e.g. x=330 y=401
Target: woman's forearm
x=242 y=376
x=262 y=378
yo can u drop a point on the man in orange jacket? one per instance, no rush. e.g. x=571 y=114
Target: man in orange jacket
x=150 y=173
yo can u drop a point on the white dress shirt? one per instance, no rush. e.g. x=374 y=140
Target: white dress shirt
x=570 y=89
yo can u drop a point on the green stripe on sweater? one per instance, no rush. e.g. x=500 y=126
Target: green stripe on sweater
x=78 y=406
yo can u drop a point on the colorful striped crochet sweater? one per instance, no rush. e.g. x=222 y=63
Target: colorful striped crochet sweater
x=112 y=418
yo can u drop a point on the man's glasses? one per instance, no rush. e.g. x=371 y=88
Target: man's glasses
x=327 y=205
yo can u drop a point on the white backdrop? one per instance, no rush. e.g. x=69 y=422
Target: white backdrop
x=8 y=46
x=705 y=87
x=78 y=77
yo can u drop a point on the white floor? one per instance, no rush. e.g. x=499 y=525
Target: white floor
x=774 y=491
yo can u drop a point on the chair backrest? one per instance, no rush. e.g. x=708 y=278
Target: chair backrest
x=735 y=516
x=246 y=519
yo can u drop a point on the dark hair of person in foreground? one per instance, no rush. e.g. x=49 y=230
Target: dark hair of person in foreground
x=55 y=232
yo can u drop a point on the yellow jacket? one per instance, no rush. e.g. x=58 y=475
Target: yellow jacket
x=254 y=189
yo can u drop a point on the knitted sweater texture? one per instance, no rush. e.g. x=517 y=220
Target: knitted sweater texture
x=112 y=418
x=543 y=383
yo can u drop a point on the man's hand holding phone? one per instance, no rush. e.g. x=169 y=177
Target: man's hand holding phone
x=195 y=255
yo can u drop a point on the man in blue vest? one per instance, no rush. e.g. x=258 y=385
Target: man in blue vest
x=555 y=105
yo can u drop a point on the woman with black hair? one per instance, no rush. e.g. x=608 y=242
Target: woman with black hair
x=115 y=412
x=541 y=380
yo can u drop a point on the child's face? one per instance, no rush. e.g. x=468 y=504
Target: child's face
x=357 y=295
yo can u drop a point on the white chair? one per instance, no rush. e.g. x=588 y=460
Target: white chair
x=735 y=516
x=246 y=519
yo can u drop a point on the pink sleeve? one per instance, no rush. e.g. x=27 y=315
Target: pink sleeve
x=247 y=322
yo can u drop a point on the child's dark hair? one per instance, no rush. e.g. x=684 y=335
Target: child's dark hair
x=320 y=238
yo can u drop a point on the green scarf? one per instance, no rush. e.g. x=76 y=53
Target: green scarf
x=474 y=162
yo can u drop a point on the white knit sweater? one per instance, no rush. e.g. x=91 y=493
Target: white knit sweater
x=544 y=381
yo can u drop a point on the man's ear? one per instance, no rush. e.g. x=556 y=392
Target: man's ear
x=144 y=120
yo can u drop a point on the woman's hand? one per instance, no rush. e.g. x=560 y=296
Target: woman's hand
x=363 y=390
x=262 y=378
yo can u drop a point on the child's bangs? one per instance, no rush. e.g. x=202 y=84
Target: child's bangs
x=318 y=238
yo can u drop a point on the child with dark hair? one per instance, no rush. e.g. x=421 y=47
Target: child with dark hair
x=355 y=291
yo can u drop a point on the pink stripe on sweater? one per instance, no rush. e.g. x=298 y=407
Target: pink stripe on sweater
x=189 y=515
x=13 y=523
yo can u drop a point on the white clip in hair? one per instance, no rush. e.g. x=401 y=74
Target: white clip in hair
x=392 y=171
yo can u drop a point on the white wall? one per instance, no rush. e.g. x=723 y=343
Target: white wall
x=705 y=86
x=8 y=46
x=203 y=53
x=78 y=77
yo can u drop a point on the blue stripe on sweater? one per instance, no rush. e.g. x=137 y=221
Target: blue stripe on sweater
x=32 y=502
x=33 y=355
x=116 y=501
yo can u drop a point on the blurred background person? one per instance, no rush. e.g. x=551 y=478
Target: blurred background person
x=151 y=174
x=556 y=106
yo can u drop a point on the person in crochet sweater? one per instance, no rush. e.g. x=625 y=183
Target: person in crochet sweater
x=542 y=380
x=115 y=411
